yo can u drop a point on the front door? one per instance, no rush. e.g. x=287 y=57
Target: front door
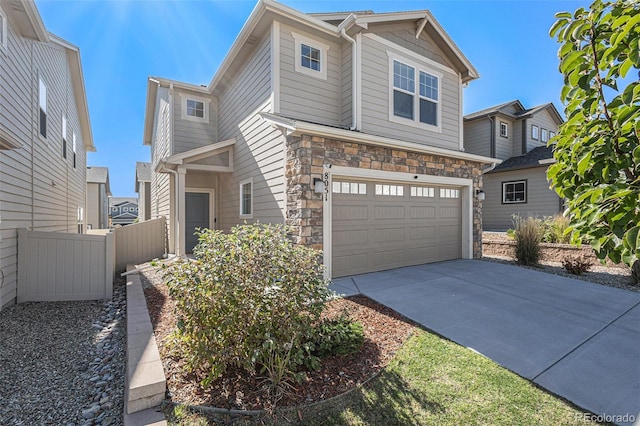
x=197 y=212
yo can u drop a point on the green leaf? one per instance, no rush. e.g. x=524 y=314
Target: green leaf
x=584 y=163
x=632 y=238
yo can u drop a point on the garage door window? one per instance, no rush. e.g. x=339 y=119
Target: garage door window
x=355 y=188
x=390 y=190
x=420 y=191
x=449 y=193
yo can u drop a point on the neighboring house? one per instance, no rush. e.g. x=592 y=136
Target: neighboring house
x=519 y=137
x=45 y=133
x=123 y=210
x=143 y=189
x=98 y=193
x=345 y=126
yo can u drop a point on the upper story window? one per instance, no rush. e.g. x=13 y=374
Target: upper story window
x=42 y=104
x=534 y=132
x=3 y=31
x=64 y=137
x=310 y=56
x=195 y=108
x=74 y=149
x=552 y=135
x=414 y=94
x=544 y=135
x=504 y=129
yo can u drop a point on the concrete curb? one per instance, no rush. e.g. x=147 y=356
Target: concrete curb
x=145 y=384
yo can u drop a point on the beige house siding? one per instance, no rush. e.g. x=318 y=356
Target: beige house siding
x=190 y=134
x=161 y=148
x=306 y=97
x=375 y=99
x=38 y=188
x=541 y=201
x=477 y=137
x=259 y=148
x=504 y=146
x=347 y=82
x=93 y=206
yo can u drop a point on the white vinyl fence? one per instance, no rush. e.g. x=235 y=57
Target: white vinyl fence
x=56 y=266
x=140 y=242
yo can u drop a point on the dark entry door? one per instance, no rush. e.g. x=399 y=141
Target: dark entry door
x=197 y=212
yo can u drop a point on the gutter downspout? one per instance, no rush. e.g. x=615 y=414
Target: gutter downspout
x=492 y=139
x=354 y=79
x=163 y=169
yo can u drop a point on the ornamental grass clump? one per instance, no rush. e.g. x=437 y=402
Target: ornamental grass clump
x=248 y=300
x=527 y=235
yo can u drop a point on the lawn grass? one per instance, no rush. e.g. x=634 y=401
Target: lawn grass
x=433 y=381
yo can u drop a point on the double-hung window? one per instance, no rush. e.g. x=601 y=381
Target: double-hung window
x=42 y=104
x=246 y=198
x=534 y=132
x=414 y=95
x=514 y=192
x=504 y=129
x=64 y=137
x=74 y=149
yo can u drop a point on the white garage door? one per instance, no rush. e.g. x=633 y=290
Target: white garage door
x=385 y=225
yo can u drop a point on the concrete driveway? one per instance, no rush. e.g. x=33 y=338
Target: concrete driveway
x=578 y=340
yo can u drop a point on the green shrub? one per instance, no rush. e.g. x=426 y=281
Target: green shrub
x=339 y=336
x=577 y=265
x=527 y=234
x=555 y=229
x=248 y=300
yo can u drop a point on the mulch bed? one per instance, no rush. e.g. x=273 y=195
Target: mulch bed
x=385 y=331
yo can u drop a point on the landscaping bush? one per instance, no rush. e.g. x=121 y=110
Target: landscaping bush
x=576 y=264
x=554 y=229
x=339 y=336
x=248 y=300
x=527 y=234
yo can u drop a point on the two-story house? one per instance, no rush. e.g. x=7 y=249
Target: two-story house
x=143 y=189
x=45 y=133
x=98 y=193
x=123 y=210
x=518 y=136
x=345 y=126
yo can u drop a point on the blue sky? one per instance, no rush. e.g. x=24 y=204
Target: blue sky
x=123 y=42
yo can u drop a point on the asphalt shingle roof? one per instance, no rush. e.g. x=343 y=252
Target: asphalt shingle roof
x=530 y=159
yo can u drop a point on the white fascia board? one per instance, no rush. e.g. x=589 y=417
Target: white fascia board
x=392 y=17
x=367 y=139
x=208 y=149
x=150 y=108
x=166 y=82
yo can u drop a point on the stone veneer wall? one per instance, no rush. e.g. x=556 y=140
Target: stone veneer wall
x=306 y=155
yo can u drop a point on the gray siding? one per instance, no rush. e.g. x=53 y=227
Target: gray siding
x=306 y=97
x=189 y=134
x=161 y=148
x=347 y=81
x=541 y=201
x=259 y=148
x=375 y=100
x=38 y=188
x=477 y=137
x=543 y=120
x=504 y=146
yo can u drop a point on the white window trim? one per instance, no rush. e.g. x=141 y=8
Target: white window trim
x=504 y=125
x=242 y=183
x=183 y=107
x=418 y=66
x=537 y=135
x=544 y=135
x=513 y=182
x=322 y=47
x=4 y=33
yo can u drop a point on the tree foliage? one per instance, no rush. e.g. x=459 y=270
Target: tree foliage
x=597 y=153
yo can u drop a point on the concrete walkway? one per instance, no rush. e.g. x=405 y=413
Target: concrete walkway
x=577 y=339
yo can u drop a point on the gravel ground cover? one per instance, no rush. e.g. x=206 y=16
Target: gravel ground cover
x=63 y=363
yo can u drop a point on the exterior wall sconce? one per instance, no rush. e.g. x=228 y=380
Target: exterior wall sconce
x=480 y=194
x=318 y=185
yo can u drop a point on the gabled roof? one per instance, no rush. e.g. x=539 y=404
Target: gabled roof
x=537 y=157
x=495 y=109
x=99 y=175
x=25 y=18
x=117 y=201
x=267 y=10
x=551 y=109
x=143 y=174
x=521 y=111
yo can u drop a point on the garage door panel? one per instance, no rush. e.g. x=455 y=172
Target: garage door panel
x=376 y=232
x=389 y=235
x=388 y=212
x=422 y=212
x=351 y=212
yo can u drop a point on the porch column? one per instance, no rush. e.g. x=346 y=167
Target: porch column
x=180 y=188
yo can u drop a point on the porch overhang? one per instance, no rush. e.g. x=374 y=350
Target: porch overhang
x=192 y=159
